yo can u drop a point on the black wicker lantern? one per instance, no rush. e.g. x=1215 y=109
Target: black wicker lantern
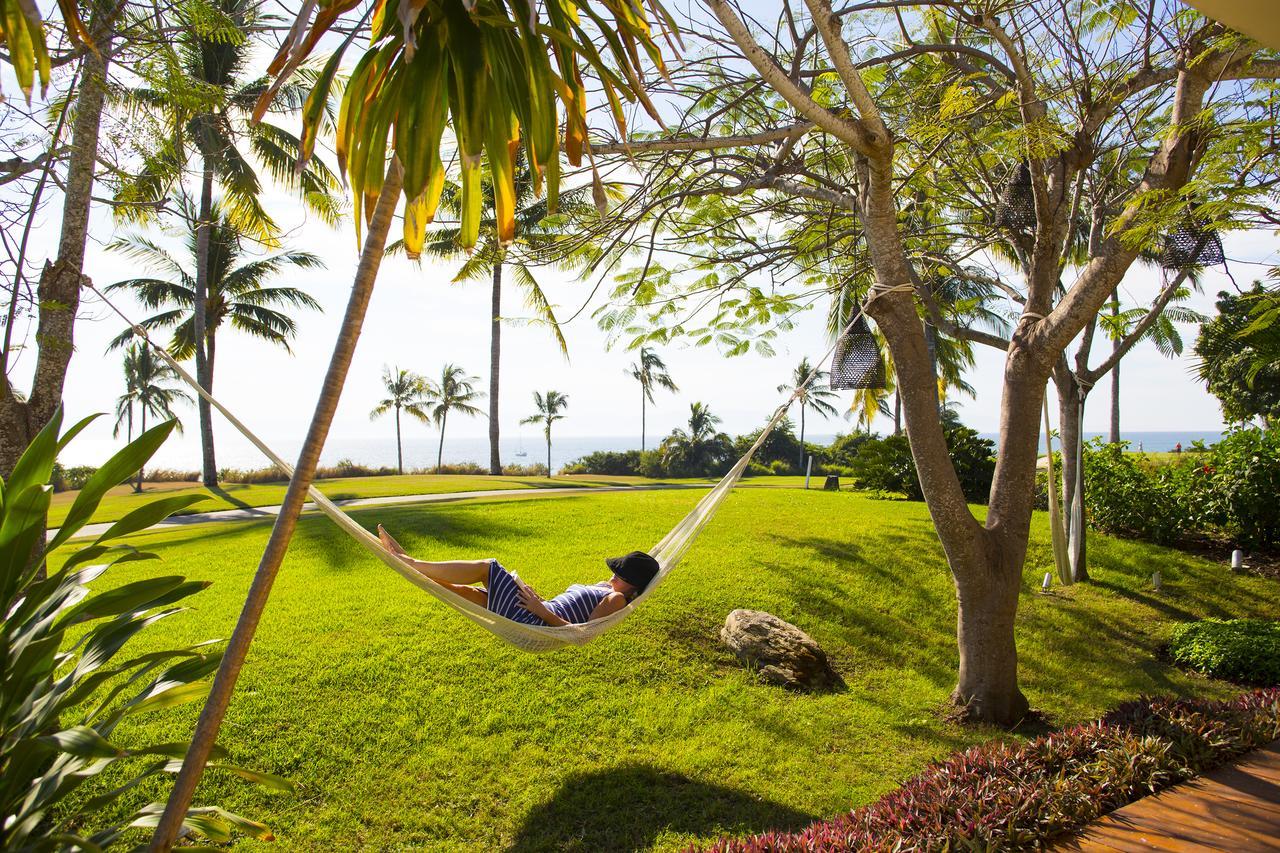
x=1017 y=207
x=856 y=363
x=1191 y=245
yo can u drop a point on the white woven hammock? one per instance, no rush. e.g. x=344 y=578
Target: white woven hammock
x=530 y=638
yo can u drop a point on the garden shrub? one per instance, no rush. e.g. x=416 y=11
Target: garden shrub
x=72 y=674
x=1010 y=796
x=1123 y=496
x=1243 y=650
x=1244 y=469
x=610 y=462
x=537 y=469
x=885 y=464
x=845 y=448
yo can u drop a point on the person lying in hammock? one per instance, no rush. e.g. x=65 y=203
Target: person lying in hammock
x=506 y=595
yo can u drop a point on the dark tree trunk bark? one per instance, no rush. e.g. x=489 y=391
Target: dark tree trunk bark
x=209 y=464
x=58 y=292
x=897 y=413
x=548 y=451
x=987 y=686
x=495 y=357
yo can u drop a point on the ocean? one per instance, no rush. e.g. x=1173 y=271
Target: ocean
x=234 y=452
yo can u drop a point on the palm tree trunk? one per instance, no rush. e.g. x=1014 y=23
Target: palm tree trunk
x=399 y=452
x=143 y=428
x=802 y=435
x=444 y=420
x=548 y=451
x=897 y=413
x=200 y=322
x=642 y=416
x=128 y=432
x=215 y=707
x=495 y=355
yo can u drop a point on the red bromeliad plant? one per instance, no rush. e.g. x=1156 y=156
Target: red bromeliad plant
x=1020 y=797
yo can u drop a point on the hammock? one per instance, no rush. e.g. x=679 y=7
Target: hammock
x=530 y=638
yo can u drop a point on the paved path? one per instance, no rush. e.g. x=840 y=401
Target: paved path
x=1234 y=808
x=250 y=513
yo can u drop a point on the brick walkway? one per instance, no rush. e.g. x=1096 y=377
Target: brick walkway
x=1234 y=808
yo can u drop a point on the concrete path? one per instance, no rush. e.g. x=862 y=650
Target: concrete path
x=251 y=513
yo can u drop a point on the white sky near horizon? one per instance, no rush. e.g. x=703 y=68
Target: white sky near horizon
x=419 y=320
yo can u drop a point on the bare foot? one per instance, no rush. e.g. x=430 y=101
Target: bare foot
x=390 y=544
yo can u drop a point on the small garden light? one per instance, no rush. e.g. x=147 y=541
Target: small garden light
x=1156 y=582
x=1237 y=560
x=1048 y=579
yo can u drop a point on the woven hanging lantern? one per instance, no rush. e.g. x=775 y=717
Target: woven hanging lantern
x=1191 y=245
x=856 y=363
x=1017 y=208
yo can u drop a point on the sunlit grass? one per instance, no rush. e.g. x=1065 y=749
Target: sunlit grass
x=123 y=499
x=407 y=727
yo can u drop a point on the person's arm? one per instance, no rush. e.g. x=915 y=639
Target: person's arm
x=612 y=603
x=535 y=605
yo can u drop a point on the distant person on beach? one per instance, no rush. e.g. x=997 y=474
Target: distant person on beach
x=487 y=583
x=1177 y=448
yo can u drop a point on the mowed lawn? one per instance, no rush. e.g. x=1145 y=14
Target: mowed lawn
x=407 y=727
x=122 y=499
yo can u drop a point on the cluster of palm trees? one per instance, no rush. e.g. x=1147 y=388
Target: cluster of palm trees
x=427 y=400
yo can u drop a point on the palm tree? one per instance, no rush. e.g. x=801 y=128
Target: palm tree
x=812 y=396
x=237 y=295
x=651 y=372
x=541 y=240
x=203 y=114
x=454 y=392
x=699 y=449
x=549 y=409
x=144 y=374
x=405 y=391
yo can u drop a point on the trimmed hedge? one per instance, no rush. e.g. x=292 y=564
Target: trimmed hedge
x=1022 y=796
x=1242 y=650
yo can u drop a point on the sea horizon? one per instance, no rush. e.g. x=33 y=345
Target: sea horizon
x=234 y=452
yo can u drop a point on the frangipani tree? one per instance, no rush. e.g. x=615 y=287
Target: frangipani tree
x=902 y=123
x=499 y=76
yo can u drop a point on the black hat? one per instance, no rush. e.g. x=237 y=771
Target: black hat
x=636 y=568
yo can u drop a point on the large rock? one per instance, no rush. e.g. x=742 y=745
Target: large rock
x=778 y=651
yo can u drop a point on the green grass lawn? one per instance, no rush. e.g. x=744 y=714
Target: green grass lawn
x=122 y=499
x=407 y=727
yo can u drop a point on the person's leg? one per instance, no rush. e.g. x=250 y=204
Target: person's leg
x=456 y=572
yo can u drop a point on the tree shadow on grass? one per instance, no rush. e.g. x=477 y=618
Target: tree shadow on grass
x=221 y=492
x=629 y=807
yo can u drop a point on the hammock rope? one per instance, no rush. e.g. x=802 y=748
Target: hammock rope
x=530 y=638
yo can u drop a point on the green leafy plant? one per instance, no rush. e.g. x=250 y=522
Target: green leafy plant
x=68 y=681
x=1243 y=650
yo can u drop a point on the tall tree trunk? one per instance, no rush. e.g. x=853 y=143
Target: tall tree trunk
x=129 y=440
x=224 y=682
x=495 y=357
x=58 y=292
x=444 y=419
x=548 y=451
x=143 y=427
x=1115 y=379
x=897 y=413
x=802 y=434
x=209 y=465
x=1070 y=405
x=399 y=452
x=642 y=416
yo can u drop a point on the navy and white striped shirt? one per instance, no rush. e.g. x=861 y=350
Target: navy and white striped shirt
x=574 y=605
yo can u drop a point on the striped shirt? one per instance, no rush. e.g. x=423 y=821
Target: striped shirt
x=574 y=605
